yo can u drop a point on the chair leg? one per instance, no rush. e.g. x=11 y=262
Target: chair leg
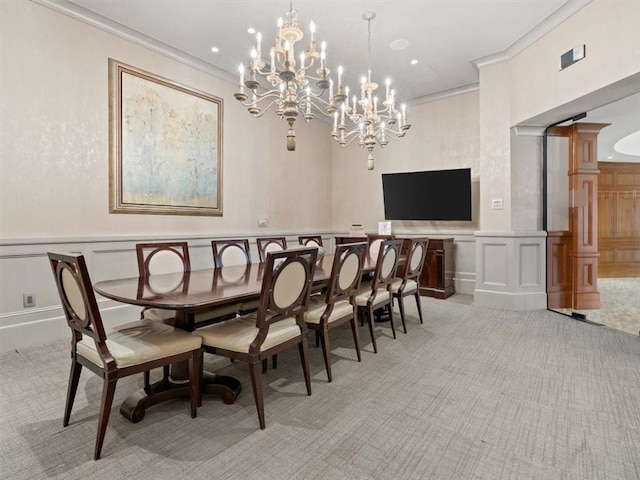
x=274 y=361
x=317 y=338
x=265 y=364
x=74 y=378
x=393 y=327
x=402 y=317
x=194 y=381
x=418 y=304
x=256 y=383
x=325 y=353
x=356 y=340
x=165 y=375
x=108 y=390
x=371 y=330
x=304 y=359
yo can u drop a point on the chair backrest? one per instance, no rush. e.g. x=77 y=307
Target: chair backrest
x=286 y=286
x=386 y=264
x=167 y=257
x=415 y=255
x=310 y=240
x=375 y=242
x=78 y=300
x=270 y=244
x=231 y=252
x=343 y=240
x=346 y=272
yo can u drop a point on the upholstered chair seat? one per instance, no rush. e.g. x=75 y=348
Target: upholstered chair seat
x=410 y=287
x=140 y=342
x=318 y=306
x=236 y=335
x=382 y=296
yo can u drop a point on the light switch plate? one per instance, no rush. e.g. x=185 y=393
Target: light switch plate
x=496 y=204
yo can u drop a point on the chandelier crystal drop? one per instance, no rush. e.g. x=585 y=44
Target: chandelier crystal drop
x=375 y=122
x=289 y=77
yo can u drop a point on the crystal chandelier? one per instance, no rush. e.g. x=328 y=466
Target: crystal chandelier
x=289 y=83
x=374 y=122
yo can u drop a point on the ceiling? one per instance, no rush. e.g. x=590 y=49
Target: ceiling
x=446 y=37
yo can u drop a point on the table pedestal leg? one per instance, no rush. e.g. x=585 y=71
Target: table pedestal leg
x=135 y=405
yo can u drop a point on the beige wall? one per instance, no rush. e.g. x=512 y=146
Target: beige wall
x=444 y=134
x=610 y=29
x=55 y=143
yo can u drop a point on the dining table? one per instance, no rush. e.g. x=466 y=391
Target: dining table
x=187 y=294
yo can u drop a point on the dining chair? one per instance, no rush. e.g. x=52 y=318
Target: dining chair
x=338 y=305
x=231 y=252
x=126 y=350
x=408 y=281
x=238 y=252
x=375 y=241
x=377 y=294
x=158 y=258
x=310 y=240
x=270 y=244
x=277 y=325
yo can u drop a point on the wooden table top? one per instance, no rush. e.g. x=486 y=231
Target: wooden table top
x=199 y=289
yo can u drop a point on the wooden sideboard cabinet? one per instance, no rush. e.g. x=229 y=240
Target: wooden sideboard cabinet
x=437 y=274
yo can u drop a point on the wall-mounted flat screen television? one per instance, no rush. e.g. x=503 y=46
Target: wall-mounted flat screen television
x=429 y=195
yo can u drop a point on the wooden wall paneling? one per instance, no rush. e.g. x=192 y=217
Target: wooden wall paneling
x=619 y=219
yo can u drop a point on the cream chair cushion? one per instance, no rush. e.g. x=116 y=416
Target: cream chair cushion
x=411 y=286
x=237 y=334
x=139 y=342
x=340 y=310
x=382 y=296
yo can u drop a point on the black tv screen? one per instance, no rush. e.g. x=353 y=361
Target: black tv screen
x=429 y=195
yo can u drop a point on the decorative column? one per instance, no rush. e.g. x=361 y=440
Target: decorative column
x=583 y=214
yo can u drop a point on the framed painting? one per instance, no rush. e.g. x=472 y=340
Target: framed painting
x=165 y=146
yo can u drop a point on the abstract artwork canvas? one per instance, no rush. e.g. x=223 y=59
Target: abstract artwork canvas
x=166 y=146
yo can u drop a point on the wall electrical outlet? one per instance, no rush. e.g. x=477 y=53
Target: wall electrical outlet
x=28 y=300
x=262 y=222
x=496 y=204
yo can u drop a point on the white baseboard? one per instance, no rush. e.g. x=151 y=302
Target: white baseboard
x=510 y=301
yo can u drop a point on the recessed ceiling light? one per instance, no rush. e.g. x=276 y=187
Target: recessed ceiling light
x=215 y=49
x=251 y=30
x=399 y=44
x=414 y=62
x=609 y=158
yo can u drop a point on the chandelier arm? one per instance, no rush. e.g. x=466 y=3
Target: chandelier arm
x=265 y=109
x=319 y=109
x=266 y=94
x=258 y=101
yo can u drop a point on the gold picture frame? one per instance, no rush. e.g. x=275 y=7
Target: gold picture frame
x=165 y=145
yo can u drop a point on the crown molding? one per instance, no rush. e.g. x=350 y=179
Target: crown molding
x=536 y=33
x=84 y=15
x=528 y=130
x=452 y=92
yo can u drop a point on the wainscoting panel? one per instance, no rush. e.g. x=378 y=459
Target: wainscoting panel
x=511 y=269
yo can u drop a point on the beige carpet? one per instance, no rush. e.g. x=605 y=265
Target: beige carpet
x=471 y=394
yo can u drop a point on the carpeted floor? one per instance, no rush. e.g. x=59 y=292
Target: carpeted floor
x=471 y=394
